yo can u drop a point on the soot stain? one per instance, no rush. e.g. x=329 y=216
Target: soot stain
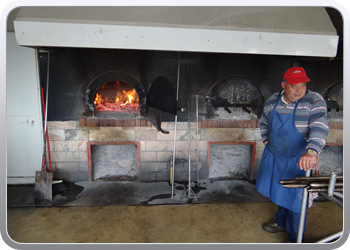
x=68 y=190
x=156 y=197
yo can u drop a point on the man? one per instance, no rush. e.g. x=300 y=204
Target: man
x=293 y=128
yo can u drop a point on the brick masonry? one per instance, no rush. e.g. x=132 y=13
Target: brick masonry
x=69 y=141
x=100 y=122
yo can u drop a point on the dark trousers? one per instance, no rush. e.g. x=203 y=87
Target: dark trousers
x=290 y=221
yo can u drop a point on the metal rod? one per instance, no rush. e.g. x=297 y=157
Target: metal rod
x=317 y=184
x=189 y=151
x=189 y=134
x=338 y=195
x=178 y=78
x=46 y=108
x=197 y=141
x=317 y=178
x=177 y=98
x=294 y=182
x=323 y=190
x=303 y=211
x=294 y=185
x=331 y=237
x=172 y=181
x=335 y=201
x=309 y=184
x=332 y=184
x=332 y=198
x=47 y=89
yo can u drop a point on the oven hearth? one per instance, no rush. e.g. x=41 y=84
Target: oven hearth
x=116 y=99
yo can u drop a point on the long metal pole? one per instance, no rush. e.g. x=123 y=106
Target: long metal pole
x=197 y=141
x=304 y=203
x=189 y=134
x=177 y=98
x=189 y=151
x=47 y=88
x=172 y=181
x=46 y=108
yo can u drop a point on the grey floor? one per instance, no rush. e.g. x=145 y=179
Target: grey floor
x=130 y=212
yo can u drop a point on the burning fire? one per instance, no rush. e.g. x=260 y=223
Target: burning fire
x=126 y=101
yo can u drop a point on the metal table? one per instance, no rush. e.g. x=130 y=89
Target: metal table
x=330 y=187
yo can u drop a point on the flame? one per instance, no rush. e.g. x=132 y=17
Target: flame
x=98 y=99
x=126 y=99
x=130 y=96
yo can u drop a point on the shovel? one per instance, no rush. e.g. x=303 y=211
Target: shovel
x=43 y=179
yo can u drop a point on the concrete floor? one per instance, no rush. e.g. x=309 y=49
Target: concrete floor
x=90 y=212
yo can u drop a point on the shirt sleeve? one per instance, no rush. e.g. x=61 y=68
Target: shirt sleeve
x=318 y=124
x=264 y=128
x=264 y=119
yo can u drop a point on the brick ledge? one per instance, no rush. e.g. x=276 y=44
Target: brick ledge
x=251 y=124
x=230 y=124
x=101 y=122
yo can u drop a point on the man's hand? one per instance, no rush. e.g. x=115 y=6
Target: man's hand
x=307 y=161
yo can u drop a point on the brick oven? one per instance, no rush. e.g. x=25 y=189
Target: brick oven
x=136 y=144
x=120 y=113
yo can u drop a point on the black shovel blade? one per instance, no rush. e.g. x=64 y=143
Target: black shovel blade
x=43 y=186
x=161 y=96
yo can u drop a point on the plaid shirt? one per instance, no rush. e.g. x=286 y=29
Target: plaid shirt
x=310 y=118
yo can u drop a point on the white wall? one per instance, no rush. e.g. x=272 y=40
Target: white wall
x=24 y=119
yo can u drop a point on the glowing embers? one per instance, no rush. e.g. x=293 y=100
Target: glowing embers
x=116 y=97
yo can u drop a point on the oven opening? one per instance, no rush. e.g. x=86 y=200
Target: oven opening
x=116 y=97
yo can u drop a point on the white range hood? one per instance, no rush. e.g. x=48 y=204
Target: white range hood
x=299 y=31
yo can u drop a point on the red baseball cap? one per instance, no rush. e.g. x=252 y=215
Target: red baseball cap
x=296 y=75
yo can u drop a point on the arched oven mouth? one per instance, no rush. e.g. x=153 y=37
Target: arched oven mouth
x=117 y=95
x=238 y=96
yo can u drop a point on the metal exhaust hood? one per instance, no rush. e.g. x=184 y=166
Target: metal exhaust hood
x=299 y=31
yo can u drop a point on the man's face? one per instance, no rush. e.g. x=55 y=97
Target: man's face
x=293 y=92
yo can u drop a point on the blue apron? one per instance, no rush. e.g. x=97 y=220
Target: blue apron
x=279 y=161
